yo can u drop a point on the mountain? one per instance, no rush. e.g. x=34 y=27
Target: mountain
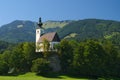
x=21 y=31
x=91 y=28
x=18 y=31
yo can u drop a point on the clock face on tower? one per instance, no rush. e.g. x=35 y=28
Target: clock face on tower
x=37 y=32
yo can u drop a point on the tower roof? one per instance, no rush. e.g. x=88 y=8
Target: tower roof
x=39 y=24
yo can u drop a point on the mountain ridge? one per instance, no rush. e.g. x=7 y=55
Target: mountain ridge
x=22 y=30
x=91 y=29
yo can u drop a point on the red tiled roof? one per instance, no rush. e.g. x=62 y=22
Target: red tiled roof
x=50 y=37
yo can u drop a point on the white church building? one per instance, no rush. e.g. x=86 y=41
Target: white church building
x=51 y=37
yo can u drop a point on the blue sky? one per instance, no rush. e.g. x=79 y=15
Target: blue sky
x=11 y=10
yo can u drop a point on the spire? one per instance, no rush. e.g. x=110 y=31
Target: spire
x=40 y=23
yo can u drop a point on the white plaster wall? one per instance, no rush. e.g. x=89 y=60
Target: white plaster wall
x=38 y=32
x=52 y=44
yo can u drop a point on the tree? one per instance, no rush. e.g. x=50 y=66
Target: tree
x=65 y=51
x=4 y=46
x=28 y=53
x=112 y=59
x=46 y=47
x=40 y=66
x=3 y=68
x=6 y=56
x=87 y=56
x=17 y=59
x=94 y=56
x=78 y=58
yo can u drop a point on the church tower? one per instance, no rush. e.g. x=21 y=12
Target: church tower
x=39 y=30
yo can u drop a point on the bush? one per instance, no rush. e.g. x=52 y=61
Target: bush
x=3 y=68
x=40 y=66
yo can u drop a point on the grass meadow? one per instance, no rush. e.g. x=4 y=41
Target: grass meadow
x=33 y=76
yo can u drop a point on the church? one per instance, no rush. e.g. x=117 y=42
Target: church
x=51 y=37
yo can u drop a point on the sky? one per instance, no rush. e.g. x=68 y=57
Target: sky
x=11 y=10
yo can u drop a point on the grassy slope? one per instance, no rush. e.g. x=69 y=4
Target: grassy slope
x=32 y=76
x=53 y=24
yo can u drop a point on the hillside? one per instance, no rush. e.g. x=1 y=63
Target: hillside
x=18 y=31
x=91 y=28
x=4 y=46
x=21 y=31
x=53 y=24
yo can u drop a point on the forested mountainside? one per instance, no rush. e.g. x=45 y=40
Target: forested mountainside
x=24 y=31
x=91 y=28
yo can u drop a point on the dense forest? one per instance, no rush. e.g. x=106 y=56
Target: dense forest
x=91 y=58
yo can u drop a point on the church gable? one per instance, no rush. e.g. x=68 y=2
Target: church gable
x=56 y=38
x=50 y=37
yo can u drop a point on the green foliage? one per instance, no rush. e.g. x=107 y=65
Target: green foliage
x=3 y=68
x=28 y=50
x=16 y=59
x=91 y=58
x=29 y=53
x=6 y=56
x=112 y=59
x=4 y=45
x=20 y=57
x=46 y=47
x=40 y=66
x=66 y=54
x=115 y=39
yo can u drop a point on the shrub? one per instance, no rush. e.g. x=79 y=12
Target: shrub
x=40 y=66
x=3 y=68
